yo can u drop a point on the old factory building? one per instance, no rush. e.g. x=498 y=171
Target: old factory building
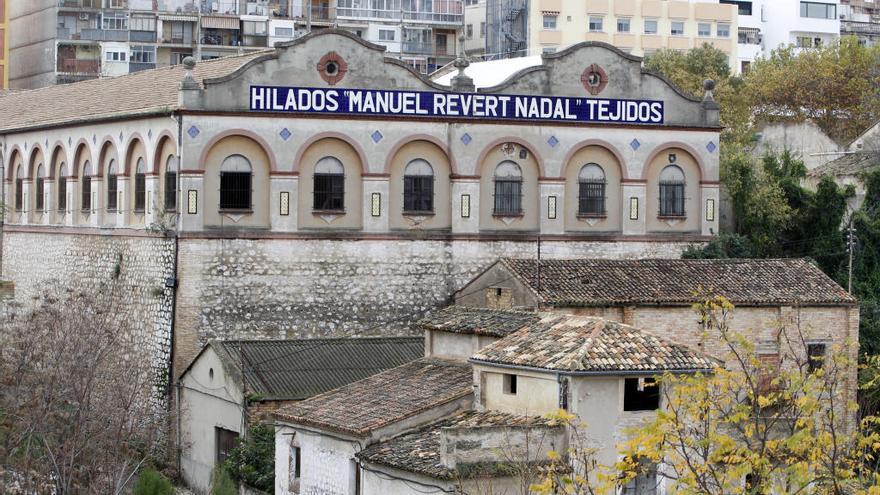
x=321 y=188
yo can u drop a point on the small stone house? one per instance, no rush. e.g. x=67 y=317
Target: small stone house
x=234 y=383
x=769 y=294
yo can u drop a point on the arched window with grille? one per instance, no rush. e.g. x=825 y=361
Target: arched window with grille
x=672 y=192
x=235 y=183
x=171 y=183
x=418 y=187
x=591 y=191
x=508 y=189
x=112 y=186
x=87 y=187
x=329 y=184
x=140 y=185
x=62 y=188
x=19 y=189
x=40 y=182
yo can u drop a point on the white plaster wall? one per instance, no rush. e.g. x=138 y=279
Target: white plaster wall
x=206 y=403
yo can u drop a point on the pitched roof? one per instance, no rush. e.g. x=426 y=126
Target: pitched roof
x=848 y=164
x=584 y=344
x=419 y=451
x=603 y=282
x=302 y=368
x=147 y=92
x=385 y=398
x=478 y=321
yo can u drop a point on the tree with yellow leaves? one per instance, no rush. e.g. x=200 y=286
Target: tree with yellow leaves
x=765 y=422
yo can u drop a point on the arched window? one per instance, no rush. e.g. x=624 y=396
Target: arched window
x=19 y=186
x=62 y=188
x=87 y=187
x=171 y=183
x=591 y=190
x=418 y=187
x=140 y=185
x=508 y=189
x=329 y=185
x=112 y=186
x=672 y=192
x=41 y=187
x=235 y=183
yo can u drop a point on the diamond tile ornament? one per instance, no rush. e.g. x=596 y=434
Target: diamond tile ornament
x=70 y=141
x=285 y=134
x=120 y=137
x=634 y=144
x=376 y=136
x=711 y=147
x=193 y=131
x=94 y=139
x=552 y=141
x=466 y=139
x=149 y=134
x=47 y=143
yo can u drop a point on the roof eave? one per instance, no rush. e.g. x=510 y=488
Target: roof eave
x=591 y=373
x=151 y=112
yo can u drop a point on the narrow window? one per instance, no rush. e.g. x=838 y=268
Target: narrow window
x=768 y=370
x=171 y=183
x=640 y=394
x=563 y=394
x=591 y=190
x=40 y=182
x=418 y=187
x=816 y=354
x=140 y=185
x=62 y=188
x=510 y=384
x=329 y=194
x=112 y=186
x=672 y=192
x=235 y=183
x=87 y=187
x=19 y=186
x=623 y=25
x=296 y=460
x=508 y=189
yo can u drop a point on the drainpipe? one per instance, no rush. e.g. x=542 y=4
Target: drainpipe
x=171 y=370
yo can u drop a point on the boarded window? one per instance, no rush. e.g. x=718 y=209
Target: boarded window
x=641 y=394
x=816 y=354
x=645 y=481
x=226 y=441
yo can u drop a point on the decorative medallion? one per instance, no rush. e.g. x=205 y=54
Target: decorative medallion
x=508 y=149
x=376 y=136
x=285 y=134
x=552 y=141
x=466 y=139
x=594 y=79
x=332 y=68
x=634 y=144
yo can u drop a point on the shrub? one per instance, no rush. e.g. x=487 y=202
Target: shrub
x=222 y=484
x=151 y=482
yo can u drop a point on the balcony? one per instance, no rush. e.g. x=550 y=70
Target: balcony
x=139 y=66
x=104 y=35
x=81 y=67
x=445 y=12
x=323 y=13
x=418 y=47
x=855 y=27
x=143 y=36
x=79 y=4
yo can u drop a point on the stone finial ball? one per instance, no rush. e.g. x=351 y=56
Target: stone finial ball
x=460 y=63
x=709 y=85
x=189 y=63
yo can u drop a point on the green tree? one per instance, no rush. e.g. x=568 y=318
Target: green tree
x=252 y=462
x=151 y=482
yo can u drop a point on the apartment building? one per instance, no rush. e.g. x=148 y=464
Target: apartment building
x=765 y=25
x=62 y=41
x=475 y=28
x=519 y=28
x=861 y=18
x=4 y=46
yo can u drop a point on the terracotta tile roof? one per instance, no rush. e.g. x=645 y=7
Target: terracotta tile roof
x=302 y=368
x=385 y=398
x=419 y=451
x=140 y=93
x=603 y=282
x=479 y=321
x=584 y=344
x=849 y=164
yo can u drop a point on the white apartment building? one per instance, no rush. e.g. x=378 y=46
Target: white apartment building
x=765 y=25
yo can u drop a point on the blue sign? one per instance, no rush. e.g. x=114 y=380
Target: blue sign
x=453 y=105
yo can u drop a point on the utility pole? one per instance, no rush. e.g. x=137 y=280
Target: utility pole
x=850 y=239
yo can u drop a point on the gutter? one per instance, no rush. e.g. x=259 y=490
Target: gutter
x=588 y=373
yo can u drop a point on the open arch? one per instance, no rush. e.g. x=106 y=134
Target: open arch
x=35 y=158
x=361 y=156
x=453 y=167
x=59 y=152
x=223 y=136
x=665 y=147
x=166 y=166
x=14 y=155
x=587 y=143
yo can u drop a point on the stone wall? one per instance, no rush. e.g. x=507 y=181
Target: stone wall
x=295 y=288
x=133 y=270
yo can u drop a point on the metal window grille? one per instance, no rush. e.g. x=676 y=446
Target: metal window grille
x=140 y=191
x=62 y=194
x=40 y=189
x=672 y=199
x=418 y=193
x=112 y=192
x=591 y=197
x=329 y=192
x=170 y=191
x=235 y=190
x=508 y=197
x=19 y=198
x=86 y=194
